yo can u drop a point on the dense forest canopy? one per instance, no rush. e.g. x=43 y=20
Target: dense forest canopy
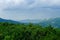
x=10 y=31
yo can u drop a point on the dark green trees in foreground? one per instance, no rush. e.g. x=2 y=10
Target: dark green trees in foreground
x=9 y=31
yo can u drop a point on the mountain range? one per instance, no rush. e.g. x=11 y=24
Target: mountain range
x=52 y=21
x=6 y=20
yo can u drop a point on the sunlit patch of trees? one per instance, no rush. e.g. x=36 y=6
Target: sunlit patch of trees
x=10 y=31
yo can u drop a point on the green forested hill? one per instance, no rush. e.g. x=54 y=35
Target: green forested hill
x=9 y=31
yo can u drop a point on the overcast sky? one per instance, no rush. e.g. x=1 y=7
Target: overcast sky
x=29 y=9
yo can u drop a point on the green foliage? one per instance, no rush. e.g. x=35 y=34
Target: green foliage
x=9 y=31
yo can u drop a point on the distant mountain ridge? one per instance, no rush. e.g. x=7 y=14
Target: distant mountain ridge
x=53 y=21
x=6 y=20
x=30 y=21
